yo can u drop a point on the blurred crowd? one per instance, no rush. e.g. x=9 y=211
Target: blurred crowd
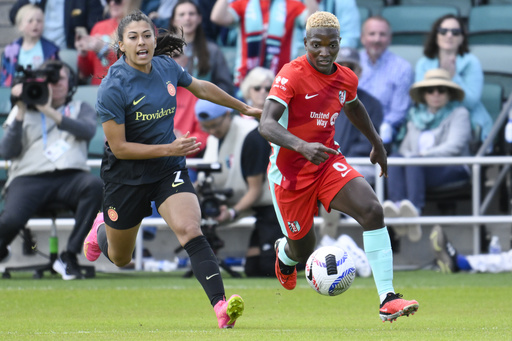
x=433 y=108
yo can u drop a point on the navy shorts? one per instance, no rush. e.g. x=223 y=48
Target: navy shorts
x=124 y=206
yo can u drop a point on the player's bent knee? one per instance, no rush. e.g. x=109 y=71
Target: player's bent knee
x=373 y=216
x=120 y=261
x=186 y=233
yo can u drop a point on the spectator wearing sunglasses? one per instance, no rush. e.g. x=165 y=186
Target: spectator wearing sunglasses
x=438 y=125
x=446 y=47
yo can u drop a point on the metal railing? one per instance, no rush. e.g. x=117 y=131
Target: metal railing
x=479 y=206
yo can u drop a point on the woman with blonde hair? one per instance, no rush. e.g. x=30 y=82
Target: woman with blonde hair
x=256 y=85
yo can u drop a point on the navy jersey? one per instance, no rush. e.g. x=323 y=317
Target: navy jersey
x=146 y=105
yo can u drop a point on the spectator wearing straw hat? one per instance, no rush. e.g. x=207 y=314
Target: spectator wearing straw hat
x=438 y=125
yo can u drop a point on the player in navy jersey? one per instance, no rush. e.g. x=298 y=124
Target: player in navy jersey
x=144 y=161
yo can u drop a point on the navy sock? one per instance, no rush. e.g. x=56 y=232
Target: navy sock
x=102 y=240
x=206 y=268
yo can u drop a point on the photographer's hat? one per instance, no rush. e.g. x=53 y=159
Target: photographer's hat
x=206 y=110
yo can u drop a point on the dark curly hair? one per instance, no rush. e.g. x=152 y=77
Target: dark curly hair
x=167 y=43
x=431 y=49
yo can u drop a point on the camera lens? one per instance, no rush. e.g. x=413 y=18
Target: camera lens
x=210 y=207
x=34 y=90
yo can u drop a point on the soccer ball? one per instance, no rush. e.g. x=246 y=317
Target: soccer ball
x=330 y=271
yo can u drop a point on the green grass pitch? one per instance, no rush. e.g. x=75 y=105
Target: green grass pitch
x=165 y=306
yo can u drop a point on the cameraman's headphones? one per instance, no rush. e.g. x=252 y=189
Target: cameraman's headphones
x=72 y=82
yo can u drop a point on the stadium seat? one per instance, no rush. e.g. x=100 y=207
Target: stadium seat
x=87 y=93
x=364 y=13
x=491 y=24
x=5 y=100
x=464 y=6
x=411 y=24
x=499 y=2
x=70 y=57
x=97 y=144
x=97 y=148
x=375 y=6
x=492 y=99
x=496 y=64
x=411 y=53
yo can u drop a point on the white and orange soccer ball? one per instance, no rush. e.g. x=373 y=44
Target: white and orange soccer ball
x=330 y=271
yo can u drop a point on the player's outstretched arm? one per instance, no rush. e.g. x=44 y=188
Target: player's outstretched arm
x=211 y=92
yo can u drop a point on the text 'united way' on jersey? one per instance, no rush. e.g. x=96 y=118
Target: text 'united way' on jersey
x=313 y=101
x=145 y=104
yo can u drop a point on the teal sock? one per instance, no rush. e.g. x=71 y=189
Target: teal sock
x=377 y=246
x=283 y=257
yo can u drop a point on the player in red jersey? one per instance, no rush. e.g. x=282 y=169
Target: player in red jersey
x=306 y=166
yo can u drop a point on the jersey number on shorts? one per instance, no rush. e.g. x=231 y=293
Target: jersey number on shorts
x=342 y=168
x=177 y=180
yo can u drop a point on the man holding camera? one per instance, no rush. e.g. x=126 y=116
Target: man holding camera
x=46 y=138
x=236 y=144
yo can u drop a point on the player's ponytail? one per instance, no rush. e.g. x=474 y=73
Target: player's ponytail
x=169 y=44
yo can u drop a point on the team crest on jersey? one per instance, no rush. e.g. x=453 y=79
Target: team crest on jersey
x=334 y=117
x=281 y=80
x=294 y=226
x=171 y=89
x=112 y=214
x=343 y=96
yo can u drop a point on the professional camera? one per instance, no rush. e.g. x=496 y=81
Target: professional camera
x=210 y=199
x=35 y=83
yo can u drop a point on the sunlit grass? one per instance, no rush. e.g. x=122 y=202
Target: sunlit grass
x=147 y=306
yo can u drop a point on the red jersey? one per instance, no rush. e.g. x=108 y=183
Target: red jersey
x=186 y=120
x=313 y=101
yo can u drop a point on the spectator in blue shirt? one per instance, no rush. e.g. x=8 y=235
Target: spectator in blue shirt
x=386 y=76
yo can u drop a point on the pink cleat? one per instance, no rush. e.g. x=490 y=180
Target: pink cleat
x=228 y=311
x=91 y=248
x=395 y=306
